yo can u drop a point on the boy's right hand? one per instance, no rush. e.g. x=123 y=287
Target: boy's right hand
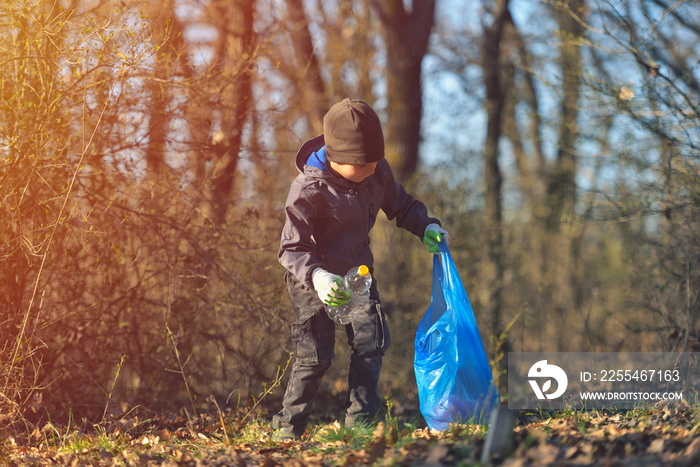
x=329 y=287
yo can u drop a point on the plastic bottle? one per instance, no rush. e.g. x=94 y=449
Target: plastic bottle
x=357 y=281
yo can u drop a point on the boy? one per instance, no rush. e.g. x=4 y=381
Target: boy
x=344 y=181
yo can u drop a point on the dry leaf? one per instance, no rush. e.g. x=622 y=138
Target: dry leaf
x=545 y=454
x=437 y=453
x=570 y=452
x=393 y=435
x=378 y=431
x=693 y=448
x=656 y=446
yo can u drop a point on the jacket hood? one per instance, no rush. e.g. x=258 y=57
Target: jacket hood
x=305 y=151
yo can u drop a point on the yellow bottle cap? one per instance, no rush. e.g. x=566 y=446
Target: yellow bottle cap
x=363 y=270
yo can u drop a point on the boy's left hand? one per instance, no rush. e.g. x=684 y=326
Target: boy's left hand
x=434 y=234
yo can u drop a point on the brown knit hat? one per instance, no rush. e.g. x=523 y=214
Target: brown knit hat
x=352 y=133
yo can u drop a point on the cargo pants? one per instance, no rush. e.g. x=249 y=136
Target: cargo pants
x=313 y=341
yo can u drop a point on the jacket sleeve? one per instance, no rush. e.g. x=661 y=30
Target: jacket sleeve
x=297 y=251
x=410 y=213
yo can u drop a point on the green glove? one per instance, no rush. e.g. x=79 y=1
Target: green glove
x=329 y=288
x=433 y=236
x=338 y=295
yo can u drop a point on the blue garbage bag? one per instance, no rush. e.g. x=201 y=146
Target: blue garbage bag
x=455 y=383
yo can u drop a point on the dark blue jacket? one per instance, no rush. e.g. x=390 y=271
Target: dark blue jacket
x=328 y=218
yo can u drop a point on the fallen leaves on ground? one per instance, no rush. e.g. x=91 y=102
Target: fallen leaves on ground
x=664 y=434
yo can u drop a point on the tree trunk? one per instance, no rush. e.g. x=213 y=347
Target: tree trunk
x=558 y=260
x=406 y=35
x=495 y=101
x=158 y=91
x=561 y=187
x=314 y=102
x=235 y=54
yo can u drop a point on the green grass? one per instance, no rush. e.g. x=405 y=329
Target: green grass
x=338 y=434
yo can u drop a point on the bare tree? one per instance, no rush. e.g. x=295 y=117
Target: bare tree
x=406 y=31
x=226 y=94
x=313 y=99
x=492 y=64
x=561 y=188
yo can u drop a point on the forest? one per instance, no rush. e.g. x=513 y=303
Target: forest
x=147 y=147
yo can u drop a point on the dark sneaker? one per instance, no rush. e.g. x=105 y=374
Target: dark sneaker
x=284 y=435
